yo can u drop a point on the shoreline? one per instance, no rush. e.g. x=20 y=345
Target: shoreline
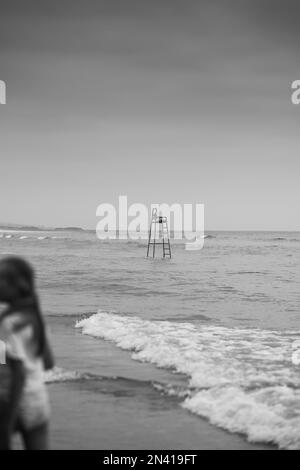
x=83 y=419
x=117 y=407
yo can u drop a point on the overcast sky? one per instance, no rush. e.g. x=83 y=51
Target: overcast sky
x=162 y=100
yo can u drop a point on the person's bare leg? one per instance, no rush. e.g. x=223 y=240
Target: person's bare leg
x=6 y=426
x=37 y=438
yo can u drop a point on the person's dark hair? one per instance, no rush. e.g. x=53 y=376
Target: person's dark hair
x=21 y=275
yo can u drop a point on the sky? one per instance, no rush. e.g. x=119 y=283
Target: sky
x=165 y=101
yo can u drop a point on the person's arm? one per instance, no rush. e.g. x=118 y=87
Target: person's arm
x=18 y=378
x=48 y=357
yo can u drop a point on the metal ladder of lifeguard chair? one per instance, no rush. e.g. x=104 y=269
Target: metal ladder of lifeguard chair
x=163 y=228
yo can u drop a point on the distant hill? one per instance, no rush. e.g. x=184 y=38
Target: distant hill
x=33 y=228
x=19 y=227
x=68 y=229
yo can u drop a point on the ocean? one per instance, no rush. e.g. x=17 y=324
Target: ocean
x=214 y=333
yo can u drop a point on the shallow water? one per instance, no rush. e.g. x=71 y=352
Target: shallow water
x=225 y=317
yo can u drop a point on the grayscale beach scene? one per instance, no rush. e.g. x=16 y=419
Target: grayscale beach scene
x=136 y=339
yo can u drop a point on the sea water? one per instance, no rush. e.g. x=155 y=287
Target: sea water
x=225 y=318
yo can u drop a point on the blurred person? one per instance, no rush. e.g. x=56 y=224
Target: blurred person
x=24 y=401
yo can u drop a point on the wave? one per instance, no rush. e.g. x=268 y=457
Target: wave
x=283 y=239
x=31 y=237
x=242 y=380
x=60 y=375
x=140 y=242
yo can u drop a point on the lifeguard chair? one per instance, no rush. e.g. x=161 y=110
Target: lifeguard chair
x=159 y=225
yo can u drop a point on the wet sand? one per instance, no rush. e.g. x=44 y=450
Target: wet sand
x=85 y=418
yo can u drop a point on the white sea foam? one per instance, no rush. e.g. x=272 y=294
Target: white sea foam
x=243 y=380
x=61 y=375
x=31 y=237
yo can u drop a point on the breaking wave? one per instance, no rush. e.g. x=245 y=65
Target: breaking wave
x=243 y=380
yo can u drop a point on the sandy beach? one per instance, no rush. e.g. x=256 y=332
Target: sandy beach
x=121 y=419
